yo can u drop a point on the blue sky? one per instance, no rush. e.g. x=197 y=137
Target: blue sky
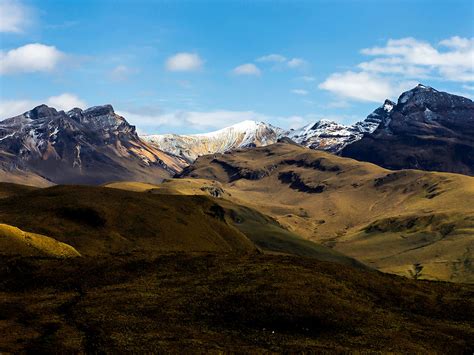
x=195 y=66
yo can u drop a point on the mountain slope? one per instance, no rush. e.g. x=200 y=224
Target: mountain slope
x=395 y=221
x=240 y=135
x=427 y=129
x=81 y=146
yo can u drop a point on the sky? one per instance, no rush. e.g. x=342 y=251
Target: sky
x=196 y=66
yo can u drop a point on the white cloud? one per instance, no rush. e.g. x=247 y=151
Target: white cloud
x=397 y=64
x=276 y=58
x=296 y=63
x=14 y=16
x=184 y=62
x=411 y=57
x=34 y=57
x=247 y=69
x=122 y=73
x=457 y=42
x=363 y=86
x=299 y=92
x=468 y=87
x=65 y=101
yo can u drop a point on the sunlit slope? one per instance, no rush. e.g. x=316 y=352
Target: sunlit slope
x=14 y=241
x=395 y=221
x=264 y=231
x=167 y=217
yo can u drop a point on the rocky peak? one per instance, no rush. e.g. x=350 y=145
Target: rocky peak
x=422 y=98
x=41 y=111
x=96 y=111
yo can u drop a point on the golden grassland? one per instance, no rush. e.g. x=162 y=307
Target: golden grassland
x=394 y=221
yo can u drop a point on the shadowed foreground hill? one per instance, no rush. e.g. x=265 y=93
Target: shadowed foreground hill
x=214 y=303
x=410 y=222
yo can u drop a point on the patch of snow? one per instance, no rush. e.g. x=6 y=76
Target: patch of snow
x=388 y=107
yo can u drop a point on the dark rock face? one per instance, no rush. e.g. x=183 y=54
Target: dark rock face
x=296 y=183
x=426 y=129
x=90 y=146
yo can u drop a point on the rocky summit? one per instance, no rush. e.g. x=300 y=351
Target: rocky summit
x=90 y=146
x=427 y=129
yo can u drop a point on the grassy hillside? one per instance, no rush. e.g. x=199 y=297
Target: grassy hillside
x=14 y=241
x=395 y=221
x=98 y=220
x=101 y=220
x=214 y=302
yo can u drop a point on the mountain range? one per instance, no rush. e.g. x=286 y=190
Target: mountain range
x=426 y=129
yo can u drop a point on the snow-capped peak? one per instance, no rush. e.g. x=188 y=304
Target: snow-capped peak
x=240 y=135
x=241 y=127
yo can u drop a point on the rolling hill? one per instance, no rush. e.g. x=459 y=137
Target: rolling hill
x=410 y=222
x=93 y=220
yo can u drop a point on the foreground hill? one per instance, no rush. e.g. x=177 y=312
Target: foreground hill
x=413 y=223
x=208 y=303
x=426 y=129
x=44 y=146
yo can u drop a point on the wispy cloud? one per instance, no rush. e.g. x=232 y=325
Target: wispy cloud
x=272 y=58
x=300 y=92
x=247 y=69
x=280 y=62
x=296 y=63
x=14 y=16
x=65 y=101
x=184 y=62
x=30 y=58
x=122 y=73
x=307 y=78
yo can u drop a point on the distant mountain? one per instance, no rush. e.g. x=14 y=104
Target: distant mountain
x=332 y=136
x=426 y=129
x=324 y=134
x=92 y=146
x=241 y=135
